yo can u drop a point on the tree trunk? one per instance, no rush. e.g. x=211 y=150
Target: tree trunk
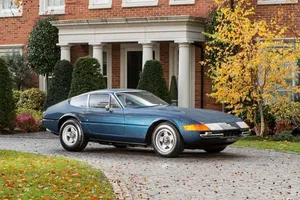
x=262 y=119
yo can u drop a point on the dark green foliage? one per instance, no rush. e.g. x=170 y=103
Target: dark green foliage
x=297 y=95
x=21 y=74
x=86 y=76
x=60 y=85
x=7 y=106
x=152 y=80
x=32 y=99
x=283 y=136
x=174 y=89
x=43 y=53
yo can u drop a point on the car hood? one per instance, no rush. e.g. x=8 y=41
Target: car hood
x=200 y=115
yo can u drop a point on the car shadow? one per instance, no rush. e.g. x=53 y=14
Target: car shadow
x=149 y=152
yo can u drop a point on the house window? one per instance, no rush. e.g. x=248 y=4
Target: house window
x=52 y=7
x=96 y=4
x=267 y=2
x=9 y=8
x=181 y=2
x=139 y=3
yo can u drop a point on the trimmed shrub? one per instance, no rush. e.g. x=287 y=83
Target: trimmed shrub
x=152 y=80
x=7 y=106
x=59 y=87
x=26 y=123
x=43 y=52
x=174 y=90
x=86 y=76
x=32 y=99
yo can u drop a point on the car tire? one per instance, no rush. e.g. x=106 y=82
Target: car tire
x=71 y=136
x=167 y=141
x=214 y=149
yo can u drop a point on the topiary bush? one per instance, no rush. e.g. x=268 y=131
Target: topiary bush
x=43 y=53
x=86 y=76
x=174 y=90
x=32 y=99
x=60 y=85
x=7 y=106
x=152 y=80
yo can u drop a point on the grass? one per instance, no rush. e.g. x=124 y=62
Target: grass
x=274 y=145
x=32 y=176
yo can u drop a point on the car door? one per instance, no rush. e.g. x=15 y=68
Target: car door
x=104 y=123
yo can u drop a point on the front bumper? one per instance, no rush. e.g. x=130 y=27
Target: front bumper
x=200 y=140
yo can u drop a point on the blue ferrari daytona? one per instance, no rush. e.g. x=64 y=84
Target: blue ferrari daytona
x=128 y=117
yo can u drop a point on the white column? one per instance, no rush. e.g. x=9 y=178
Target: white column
x=147 y=52
x=184 y=75
x=98 y=54
x=65 y=52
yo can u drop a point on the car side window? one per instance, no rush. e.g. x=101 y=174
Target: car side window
x=99 y=100
x=79 y=101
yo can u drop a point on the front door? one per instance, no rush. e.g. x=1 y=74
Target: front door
x=134 y=68
x=101 y=123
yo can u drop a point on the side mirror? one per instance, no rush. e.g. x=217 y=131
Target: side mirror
x=107 y=108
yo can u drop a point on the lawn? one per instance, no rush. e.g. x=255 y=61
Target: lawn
x=265 y=144
x=32 y=176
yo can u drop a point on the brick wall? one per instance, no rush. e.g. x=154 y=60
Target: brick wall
x=164 y=59
x=78 y=51
x=116 y=55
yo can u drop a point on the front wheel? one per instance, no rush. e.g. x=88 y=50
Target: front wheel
x=72 y=137
x=167 y=141
x=214 y=149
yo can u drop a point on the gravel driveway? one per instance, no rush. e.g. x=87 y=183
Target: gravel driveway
x=137 y=173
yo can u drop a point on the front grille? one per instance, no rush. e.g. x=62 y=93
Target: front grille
x=231 y=133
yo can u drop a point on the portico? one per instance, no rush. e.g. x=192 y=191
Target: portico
x=144 y=35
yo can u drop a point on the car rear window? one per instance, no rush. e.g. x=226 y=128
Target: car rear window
x=79 y=101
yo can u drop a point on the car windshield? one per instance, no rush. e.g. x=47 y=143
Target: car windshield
x=139 y=99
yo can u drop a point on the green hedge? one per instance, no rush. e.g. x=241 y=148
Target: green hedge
x=59 y=87
x=7 y=106
x=152 y=80
x=86 y=76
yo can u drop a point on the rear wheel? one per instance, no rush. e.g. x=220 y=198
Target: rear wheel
x=72 y=137
x=214 y=149
x=167 y=141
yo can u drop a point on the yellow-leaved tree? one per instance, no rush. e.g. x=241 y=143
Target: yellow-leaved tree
x=252 y=64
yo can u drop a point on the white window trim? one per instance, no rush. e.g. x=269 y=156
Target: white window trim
x=139 y=3
x=181 y=2
x=13 y=12
x=268 y=2
x=105 y=4
x=50 y=10
x=10 y=48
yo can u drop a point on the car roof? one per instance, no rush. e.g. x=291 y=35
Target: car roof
x=116 y=90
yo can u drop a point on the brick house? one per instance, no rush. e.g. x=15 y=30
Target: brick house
x=124 y=34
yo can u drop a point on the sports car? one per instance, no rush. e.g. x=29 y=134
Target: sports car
x=129 y=117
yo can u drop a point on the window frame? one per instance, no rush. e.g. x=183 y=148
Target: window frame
x=270 y=2
x=139 y=3
x=11 y=12
x=181 y=2
x=109 y=100
x=105 y=4
x=44 y=9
